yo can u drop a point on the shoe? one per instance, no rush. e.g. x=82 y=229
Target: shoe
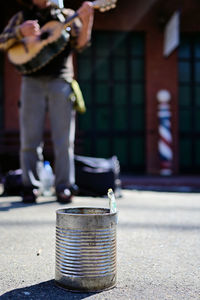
x=64 y=196
x=28 y=195
x=74 y=189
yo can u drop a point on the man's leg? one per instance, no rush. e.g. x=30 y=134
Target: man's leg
x=32 y=114
x=62 y=118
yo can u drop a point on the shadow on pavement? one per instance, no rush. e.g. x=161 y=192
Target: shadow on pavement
x=164 y=189
x=8 y=205
x=45 y=290
x=155 y=226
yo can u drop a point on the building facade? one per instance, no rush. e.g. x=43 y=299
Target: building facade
x=120 y=76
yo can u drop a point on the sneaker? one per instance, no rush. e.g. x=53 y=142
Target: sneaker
x=64 y=196
x=28 y=195
x=74 y=189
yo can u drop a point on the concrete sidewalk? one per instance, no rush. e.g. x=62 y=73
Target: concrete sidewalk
x=158 y=247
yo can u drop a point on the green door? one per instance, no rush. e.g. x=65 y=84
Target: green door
x=111 y=76
x=189 y=105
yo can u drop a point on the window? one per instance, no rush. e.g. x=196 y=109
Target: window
x=189 y=104
x=111 y=76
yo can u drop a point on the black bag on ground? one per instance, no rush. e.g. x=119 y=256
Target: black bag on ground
x=94 y=176
x=12 y=183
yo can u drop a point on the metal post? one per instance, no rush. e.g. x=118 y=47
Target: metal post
x=165 y=135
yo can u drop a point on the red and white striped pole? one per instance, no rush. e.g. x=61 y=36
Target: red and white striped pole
x=165 y=135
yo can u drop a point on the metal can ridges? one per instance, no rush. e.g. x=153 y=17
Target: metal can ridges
x=86 y=253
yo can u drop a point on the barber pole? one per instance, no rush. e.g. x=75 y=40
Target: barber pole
x=165 y=135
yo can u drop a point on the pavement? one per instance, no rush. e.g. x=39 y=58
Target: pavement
x=158 y=247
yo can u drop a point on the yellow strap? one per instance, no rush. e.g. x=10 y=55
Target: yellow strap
x=79 y=103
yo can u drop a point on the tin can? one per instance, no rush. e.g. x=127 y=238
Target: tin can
x=85 y=249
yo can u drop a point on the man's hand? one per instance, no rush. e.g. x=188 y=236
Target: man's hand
x=86 y=11
x=30 y=27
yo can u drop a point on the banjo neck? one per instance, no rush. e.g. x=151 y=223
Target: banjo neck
x=69 y=20
x=102 y=5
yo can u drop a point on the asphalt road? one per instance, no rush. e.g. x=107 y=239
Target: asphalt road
x=158 y=255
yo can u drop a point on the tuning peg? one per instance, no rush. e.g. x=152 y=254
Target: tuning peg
x=105 y=5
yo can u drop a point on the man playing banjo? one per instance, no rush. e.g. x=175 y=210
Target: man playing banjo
x=48 y=87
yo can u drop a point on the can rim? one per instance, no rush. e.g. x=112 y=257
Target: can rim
x=63 y=211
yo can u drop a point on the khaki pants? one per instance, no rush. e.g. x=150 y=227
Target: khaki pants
x=37 y=96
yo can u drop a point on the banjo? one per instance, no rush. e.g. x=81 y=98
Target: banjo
x=34 y=52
